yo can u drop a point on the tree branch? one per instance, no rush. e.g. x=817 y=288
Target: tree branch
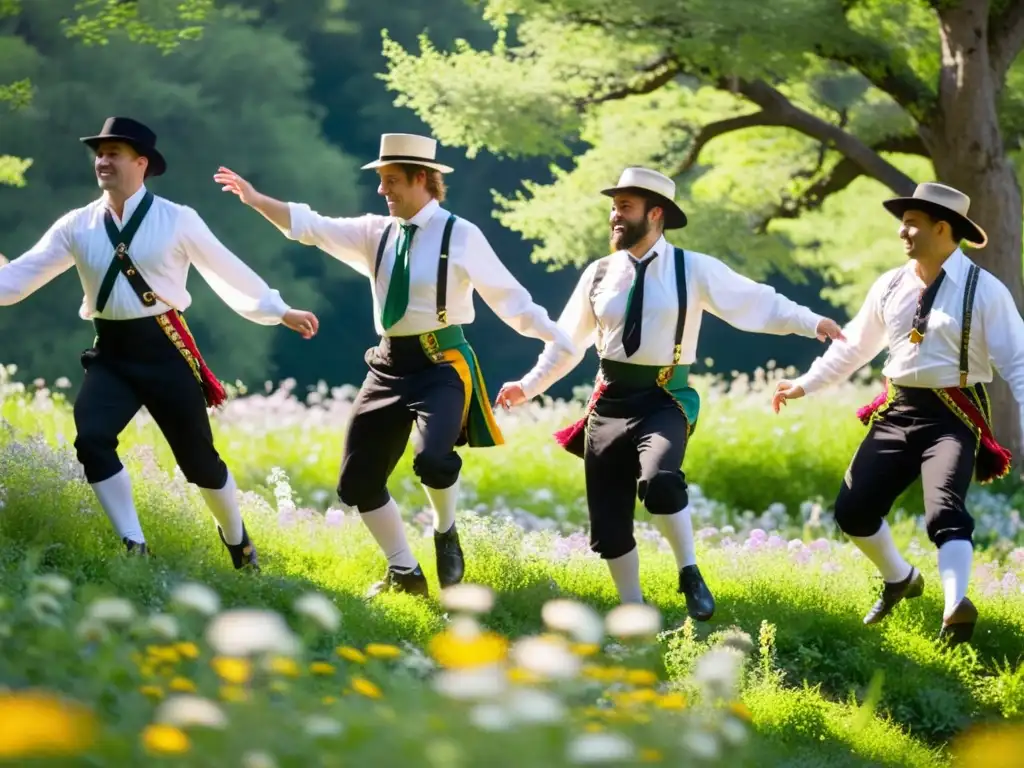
x=721 y=127
x=655 y=79
x=1005 y=40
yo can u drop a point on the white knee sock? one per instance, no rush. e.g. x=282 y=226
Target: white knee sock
x=955 y=571
x=881 y=550
x=385 y=524
x=115 y=496
x=444 y=502
x=625 y=572
x=678 y=531
x=223 y=504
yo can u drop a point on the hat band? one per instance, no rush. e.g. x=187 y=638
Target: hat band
x=412 y=158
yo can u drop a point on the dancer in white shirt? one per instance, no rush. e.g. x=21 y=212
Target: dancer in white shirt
x=643 y=410
x=422 y=274
x=133 y=250
x=946 y=322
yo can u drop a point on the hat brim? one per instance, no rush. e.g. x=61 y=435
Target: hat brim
x=157 y=164
x=973 y=234
x=674 y=216
x=410 y=160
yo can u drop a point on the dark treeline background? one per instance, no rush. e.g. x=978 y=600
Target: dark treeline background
x=288 y=95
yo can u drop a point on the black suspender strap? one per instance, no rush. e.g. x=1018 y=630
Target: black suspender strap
x=121 y=263
x=677 y=350
x=380 y=249
x=442 y=271
x=965 y=324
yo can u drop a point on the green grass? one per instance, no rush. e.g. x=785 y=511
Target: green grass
x=813 y=686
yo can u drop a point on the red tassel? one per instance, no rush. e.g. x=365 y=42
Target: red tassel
x=864 y=413
x=994 y=461
x=571 y=437
x=212 y=388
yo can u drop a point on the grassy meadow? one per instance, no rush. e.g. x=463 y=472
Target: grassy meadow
x=178 y=660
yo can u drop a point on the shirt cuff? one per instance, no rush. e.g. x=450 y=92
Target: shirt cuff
x=811 y=320
x=808 y=383
x=298 y=214
x=532 y=384
x=272 y=305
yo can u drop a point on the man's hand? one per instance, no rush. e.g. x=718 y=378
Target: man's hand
x=829 y=329
x=510 y=395
x=302 y=322
x=786 y=390
x=232 y=182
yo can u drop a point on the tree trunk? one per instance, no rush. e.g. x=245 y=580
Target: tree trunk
x=967 y=149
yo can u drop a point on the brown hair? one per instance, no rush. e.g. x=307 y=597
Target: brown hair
x=435 y=179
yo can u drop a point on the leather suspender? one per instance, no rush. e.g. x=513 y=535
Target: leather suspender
x=442 y=265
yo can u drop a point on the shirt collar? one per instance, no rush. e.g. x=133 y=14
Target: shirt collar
x=425 y=214
x=955 y=265
x=130 y=204
x=656 y=250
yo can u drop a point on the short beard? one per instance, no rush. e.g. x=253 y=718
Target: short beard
x=631 y=234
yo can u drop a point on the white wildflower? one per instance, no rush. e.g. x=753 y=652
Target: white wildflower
x=490 y=717
x=62 y=382
x=733 y=731
x=92 y=630
x=600 y=748
x=717 y=671
x=321 y=725
x=468 y=598
x=111 y=610
x=319 y=609
x=196 y=597
x=164 y=625
x=244 y=632
x=530 y=705
x=474 y=683
x=701 y=744
x=633 y=620
x=44 y=607
x=258 y=759
x=186 y=710
x=53 y=583
x=577 y=619
x=547 y=657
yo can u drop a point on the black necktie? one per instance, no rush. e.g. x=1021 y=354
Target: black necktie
x=635 y=308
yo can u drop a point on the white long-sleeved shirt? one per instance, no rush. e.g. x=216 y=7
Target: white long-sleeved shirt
x=472 y=264
x=997 y=334
x=710 y=286
x=170 y=238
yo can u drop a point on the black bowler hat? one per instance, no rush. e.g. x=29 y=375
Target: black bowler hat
x=133 y=133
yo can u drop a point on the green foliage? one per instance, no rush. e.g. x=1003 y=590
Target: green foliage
x=163 y=24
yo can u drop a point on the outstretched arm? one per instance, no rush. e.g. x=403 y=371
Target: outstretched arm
x=1004 y=332
x=234 y=281
x=346 y=239
x=578 y=322
x=49 y=257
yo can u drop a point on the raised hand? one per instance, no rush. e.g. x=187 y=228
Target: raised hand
x=785 y=390
x=510 y=395
x=232 y=182
x=302 y=322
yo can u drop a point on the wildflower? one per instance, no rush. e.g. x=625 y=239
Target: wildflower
x=243 y=632
x=283 y=665
x=233 y=693
x=717 y=671
x=733 y=731
x=741 y=710
x=321 y=725
x=490 y=717
x=641 y=677
x=671 y=701
x=382 y=651
x=320 y=610
x=580 y=621
x=456 y=652
x=182 y=685
x=468 y=598
x=185 y=711
x=530 y=705
x=53 y=583
x=585 y=649
x=701 y=744
x=164 y=625
x=364 y=687
x=989 y=746
x=37 y=723
x=480 y=682
x=152 y=691
x=111 y=610
x=650 y=756
x=236 y=671
x=168 y=654
x=196 y=597
x=258 y=759
x=165 y=740
x=600 y=748
x=321 y=668
x=44 y=607
x=350 y=654
x=633 y=620
x=546 y=657
x=187 y=650
x=523 y=676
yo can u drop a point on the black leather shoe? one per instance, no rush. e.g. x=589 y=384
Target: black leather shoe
x=135 y=549
x=413 y=582
x=959 y=627
x=892 y=593
x=699 y=602
x=450 y=562
x=243 y=554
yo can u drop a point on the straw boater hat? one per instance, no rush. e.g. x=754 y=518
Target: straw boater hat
x=408 y=148
x=134 y=134
x=940 y=202
x=644 y=181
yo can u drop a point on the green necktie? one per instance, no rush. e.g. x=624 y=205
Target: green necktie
x=398 y=287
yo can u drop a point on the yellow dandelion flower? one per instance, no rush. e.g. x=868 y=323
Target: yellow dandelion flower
x=454 y=652
x=167 y=654
x=233 y=693
x=165 y=740
x=522 y=676
x=671 y=701
x=641 y=677
x=328 y=700
x=147 y=669
x=741 y=710
x=39 y=723
x=230 y=670
x=989 y=746
x=182 y=685
x=351 y=654
x=187 y=650
x=364 y=687
x=650 y=756
x=644 y=695
x=283 y=665
x=593 y=728
x=585 y=649
x=321 y=668
x=152 y=692
x=383 y=651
